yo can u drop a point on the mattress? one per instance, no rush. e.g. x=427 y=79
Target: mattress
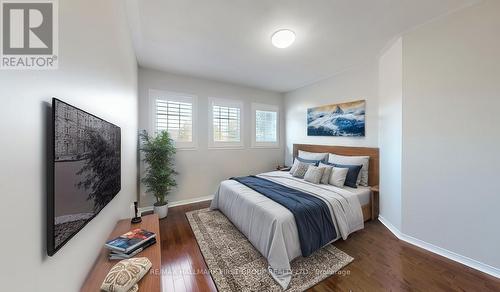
x=362 y=193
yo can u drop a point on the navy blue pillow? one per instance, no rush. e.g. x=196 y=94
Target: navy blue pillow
x=352 y=173
x=315 y=162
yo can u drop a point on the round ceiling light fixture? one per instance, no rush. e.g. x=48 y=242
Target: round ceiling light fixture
x=283 y=38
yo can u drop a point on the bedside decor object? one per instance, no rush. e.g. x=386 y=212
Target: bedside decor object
x=125 y=274
x=343 y=119
x=283 y=168
x=159 y=178
x=136 y=218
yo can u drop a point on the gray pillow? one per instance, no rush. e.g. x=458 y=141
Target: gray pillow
x=296 y=164
x=314 y=174
x=313 y=162
x=301 y=169
x=326 y=173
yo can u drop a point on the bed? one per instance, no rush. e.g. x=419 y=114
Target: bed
x=369 y=209
x=271 y=227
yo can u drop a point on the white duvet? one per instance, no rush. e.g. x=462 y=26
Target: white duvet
x=271 y=228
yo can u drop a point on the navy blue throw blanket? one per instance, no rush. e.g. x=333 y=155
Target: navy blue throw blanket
x=312 y=215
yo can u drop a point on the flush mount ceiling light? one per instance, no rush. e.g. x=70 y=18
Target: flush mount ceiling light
x=283 y=38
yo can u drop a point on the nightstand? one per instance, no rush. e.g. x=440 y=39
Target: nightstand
x=283 y=168
x=374 y=198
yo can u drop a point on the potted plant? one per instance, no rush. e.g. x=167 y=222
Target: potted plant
x=159 y=175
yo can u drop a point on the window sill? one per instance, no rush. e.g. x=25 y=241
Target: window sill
x=226 y=148
x=270 y=146
x=187 y=148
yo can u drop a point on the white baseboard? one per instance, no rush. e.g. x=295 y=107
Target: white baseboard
x=179 y=203
x=190 y=201
x=485 y=268
x=391 y=227
x=145 y=209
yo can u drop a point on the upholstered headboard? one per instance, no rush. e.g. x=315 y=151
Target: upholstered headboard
x=373 y=169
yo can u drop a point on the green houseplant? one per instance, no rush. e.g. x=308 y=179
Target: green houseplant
x=159 y=176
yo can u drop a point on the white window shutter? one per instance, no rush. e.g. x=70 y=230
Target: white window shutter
x=226 y=123
x=175 y=113
x=176 y=118
x=266 y=126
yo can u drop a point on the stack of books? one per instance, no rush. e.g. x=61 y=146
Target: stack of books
x=129 y=244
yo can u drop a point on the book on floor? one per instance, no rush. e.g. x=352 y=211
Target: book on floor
x=130 y=240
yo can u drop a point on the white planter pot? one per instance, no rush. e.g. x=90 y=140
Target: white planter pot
x=161 y=211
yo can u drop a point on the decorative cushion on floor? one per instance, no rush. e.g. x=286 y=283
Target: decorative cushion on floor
x=125 y=274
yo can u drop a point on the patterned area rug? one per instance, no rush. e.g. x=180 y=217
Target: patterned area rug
x=235 y=265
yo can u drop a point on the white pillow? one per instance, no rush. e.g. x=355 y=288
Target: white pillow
x=314 y=174
x=353 y=160
x=313 y=155
x=338 y=176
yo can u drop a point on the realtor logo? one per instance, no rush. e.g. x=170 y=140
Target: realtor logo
x=29 y=34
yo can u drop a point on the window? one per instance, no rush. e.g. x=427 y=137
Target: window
x=226 y=124
x=226 y=120
x=265 y=130
x=175 y=113
x=265 y=126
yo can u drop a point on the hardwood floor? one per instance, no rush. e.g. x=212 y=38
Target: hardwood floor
x=381 y=263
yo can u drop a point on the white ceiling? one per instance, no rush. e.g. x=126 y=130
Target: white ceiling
x=229 y=40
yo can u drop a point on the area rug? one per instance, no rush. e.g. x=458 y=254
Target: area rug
x=235 y=265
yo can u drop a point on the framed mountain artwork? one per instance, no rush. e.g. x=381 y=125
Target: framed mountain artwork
x=343 y=119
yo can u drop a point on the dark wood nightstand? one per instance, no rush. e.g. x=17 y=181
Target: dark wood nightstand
x=374 y=198
x=283 y=168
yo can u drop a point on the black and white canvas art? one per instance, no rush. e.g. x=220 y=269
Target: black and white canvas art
x=343 y=119
x=86 y=168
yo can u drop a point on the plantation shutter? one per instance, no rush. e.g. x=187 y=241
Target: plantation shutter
x=266 y=126
x=226 y=123
x=176 y=118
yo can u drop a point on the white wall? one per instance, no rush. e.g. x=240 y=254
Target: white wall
x=201 y=170
x=97 y=72
x=355 y=84
x=451 y=136
x=390 y=131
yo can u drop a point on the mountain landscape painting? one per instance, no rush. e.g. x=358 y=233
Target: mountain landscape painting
x=343 y=119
